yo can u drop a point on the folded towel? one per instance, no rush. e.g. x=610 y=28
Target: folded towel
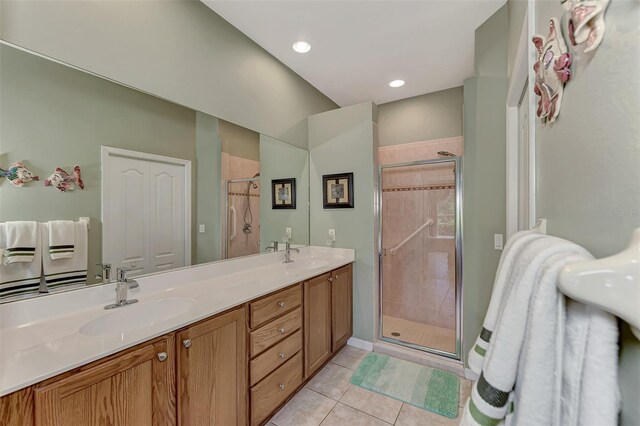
x=61 y=239
x=20 y=242
x=492 y=393
x=20 y=278
x=505 y=275
x=71 y=271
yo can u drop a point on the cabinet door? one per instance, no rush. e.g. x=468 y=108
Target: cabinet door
x=317 y=322
x=136 y=388
x=341 y=306
x=212 y=371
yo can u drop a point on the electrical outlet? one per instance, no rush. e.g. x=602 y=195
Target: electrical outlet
x=332 y=234
x=201 y=228
x=287 y=231
x=497 y=241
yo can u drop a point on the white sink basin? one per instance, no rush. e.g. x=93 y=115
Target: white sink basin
x=136 y=316
x=308 y=263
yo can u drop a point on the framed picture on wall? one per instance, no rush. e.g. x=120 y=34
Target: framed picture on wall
x=337 y=191
x=283 y=193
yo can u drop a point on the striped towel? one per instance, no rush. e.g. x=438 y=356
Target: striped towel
x=17 y=279
x=492 y=398
x=70 y=271
x=504 y=277
x=61 y=239
x=20 y=241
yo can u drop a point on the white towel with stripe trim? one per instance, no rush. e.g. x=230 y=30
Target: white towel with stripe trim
x=20 y=278
x=491 y=396
x=21 y=239
x=71 y=271
x=505 y=275
x=61 y=239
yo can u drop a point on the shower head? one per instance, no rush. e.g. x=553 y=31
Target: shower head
x=446 y=154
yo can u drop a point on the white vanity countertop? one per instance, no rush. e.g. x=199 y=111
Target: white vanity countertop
x=40 y=338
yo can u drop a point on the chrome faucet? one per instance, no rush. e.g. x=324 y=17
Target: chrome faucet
x=122 y=287
x=273 y=247
x=106 y=272
x=287 y=252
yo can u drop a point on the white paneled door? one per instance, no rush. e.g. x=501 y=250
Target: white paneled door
x=145 y=212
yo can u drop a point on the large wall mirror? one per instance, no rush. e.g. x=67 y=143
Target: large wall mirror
x=158 y=186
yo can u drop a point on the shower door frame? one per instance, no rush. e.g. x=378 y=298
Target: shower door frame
x=224 y=234
x=457 y=355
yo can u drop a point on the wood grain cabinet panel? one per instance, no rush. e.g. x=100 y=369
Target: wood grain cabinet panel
x=317 y=322
x=136 y=388
x=275 y=331
x=272 y=306
x=269 y=360
x=341 y=306
x=16 y=409
x=212 y=371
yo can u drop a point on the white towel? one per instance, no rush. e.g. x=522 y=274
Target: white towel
x=20 y=278
x=61 y=239
x=20 y=242
x=67 y=272
x=492 y=393
x=505 y=275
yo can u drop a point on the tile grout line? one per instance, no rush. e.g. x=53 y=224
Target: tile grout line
x=399 y=411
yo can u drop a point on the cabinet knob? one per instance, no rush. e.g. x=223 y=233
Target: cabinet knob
x=281 y=355
x=162 y=356
x=186 y=343
x=282 y=386
x=282 y=330
x=281 y=304
x=330 y=279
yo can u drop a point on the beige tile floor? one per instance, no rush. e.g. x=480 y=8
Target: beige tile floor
x=330 y=399
x=419 y=334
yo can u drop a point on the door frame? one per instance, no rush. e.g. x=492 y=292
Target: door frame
x=457 y=355
x=108 y=151
x=521 y=75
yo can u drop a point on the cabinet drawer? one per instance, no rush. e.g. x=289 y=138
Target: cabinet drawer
x=275 y=331
x=272 y=306
x=267 y=395
x=273 y=358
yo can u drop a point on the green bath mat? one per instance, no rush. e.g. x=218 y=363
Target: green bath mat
x=433 y=390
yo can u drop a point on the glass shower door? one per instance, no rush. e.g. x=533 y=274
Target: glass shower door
x=420 y=289
x=243 y=218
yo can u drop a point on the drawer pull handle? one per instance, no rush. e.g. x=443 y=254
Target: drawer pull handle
x=281 y=304
x=186 y=343
x=281 y=386
x=162 y=356
x=281 y=355
x=330 y=279
x=282 y=330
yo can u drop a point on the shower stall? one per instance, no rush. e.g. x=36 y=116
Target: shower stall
x=242 y=219
x=420 y=245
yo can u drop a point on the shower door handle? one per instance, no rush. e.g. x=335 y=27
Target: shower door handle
x=234 y=222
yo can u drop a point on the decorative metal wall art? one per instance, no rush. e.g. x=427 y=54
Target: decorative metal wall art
x=337 y=191
x=553 y=70
x=63 y=181
x=584 y=22
x=283 y=193
x=17 y=174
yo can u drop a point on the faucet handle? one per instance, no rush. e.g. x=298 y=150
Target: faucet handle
x=121 y=273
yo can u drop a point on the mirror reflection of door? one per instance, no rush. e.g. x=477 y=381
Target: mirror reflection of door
x=145 y=213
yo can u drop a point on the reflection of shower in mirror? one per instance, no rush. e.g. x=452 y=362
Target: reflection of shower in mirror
x=248 y=214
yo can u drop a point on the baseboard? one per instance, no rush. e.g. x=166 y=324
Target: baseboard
x=471 y=375
x=360 y=344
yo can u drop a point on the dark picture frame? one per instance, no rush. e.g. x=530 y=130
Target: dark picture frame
x=283 y=193
x=337 y=191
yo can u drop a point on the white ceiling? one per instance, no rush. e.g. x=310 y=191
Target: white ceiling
x=358 y=47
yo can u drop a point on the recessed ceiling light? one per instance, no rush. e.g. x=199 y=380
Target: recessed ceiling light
x=301 y=46
x=397 y=83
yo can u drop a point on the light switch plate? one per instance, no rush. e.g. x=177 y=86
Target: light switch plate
x=332 y=234
x=497 y=241
x=202 y=228
x=287 y=231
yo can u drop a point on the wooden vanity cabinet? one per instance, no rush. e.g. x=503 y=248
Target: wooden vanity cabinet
x=212 y=371
x=317 y=323
x=134 y=388
x=341 y=306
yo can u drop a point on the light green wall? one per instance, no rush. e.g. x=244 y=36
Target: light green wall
x=484 y=171
x=179 y=50
x=435 y=115
x=279 y=160
x=517 y=12
x=239 y=141
x=588 y=171
x=55 y=116
x=343 y=141
x=208 y=150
